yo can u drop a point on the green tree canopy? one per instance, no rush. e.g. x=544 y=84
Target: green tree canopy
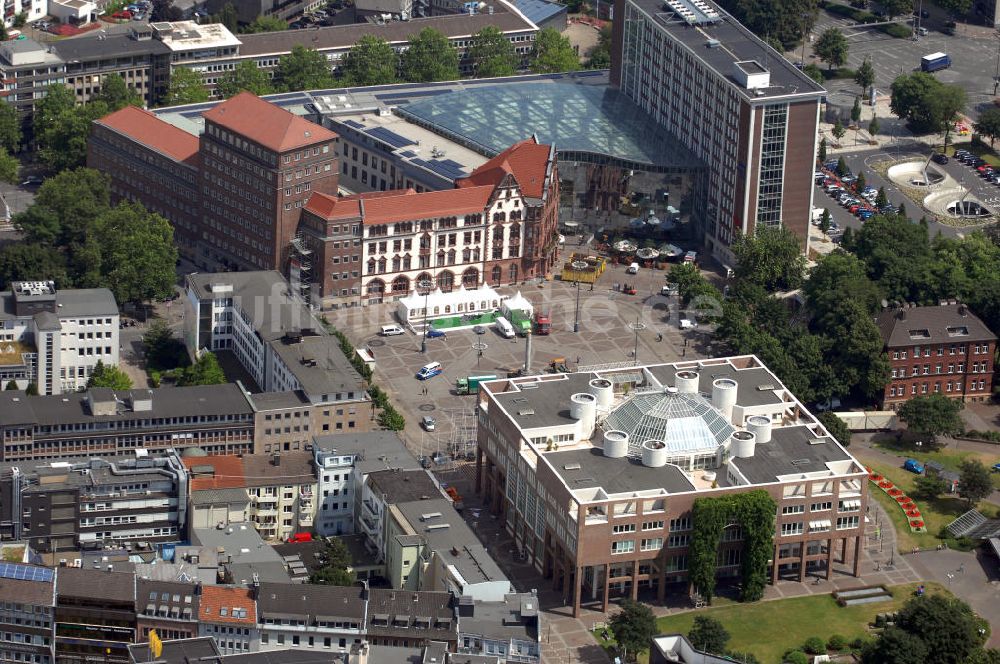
x=928 y=487
x=117 y=94
x=204 y=371
x=552 y=53
x=335 y=562
x=65 y=207
x=228 y=16
x=164 y=351
x=265 y=24
x=832 y=48
x=10 y=167
x=138 y=253
x=955 y=8
x=815 y=73
x=865 y=76
x=106 y=375
x=927 y=104
x=245 y=76
x=186 y=87
x=894 y=8
x=371 y=61
x=30 y=261
x=10 y=128
x=895 y=646
x=946 y=625
x=708 y=635
x=932 y=415
x=770 y=257
x=974 y=482
x=633 y=626
x=430 y=57
x=303 y=69
x=492 y=54
x=988 y=124
x=785 y=21
x=599 y=56
x=61 y=131
x=836 y=426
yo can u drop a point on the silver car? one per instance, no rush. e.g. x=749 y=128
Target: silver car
x=427 y=422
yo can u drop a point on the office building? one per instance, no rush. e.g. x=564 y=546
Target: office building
x=943 y=349
x=508 y=629
x=28 y=69
x=64 y=505
x=595 y=473
x=95 y=615
x=103 y=422
x=169 y=607
x=734 y=101
x=54 y=338
x=27 y=612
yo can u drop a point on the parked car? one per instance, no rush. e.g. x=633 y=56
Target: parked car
x=33 y=181
x=428 y=423
x=913 y=466
x=479 y=329
x=425 y=462
x=434 y=334
x=939 y=158
x=996 y=468
x=865 y=215
x=853 y=209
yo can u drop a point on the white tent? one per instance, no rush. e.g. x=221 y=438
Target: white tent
x=411 y=309
x=517 y=303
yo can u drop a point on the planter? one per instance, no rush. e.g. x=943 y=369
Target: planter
x=894 y=492
x=905 y=503
x=913 y=513
x=903 y=499
x=885 y=484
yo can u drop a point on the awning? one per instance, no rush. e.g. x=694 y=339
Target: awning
x=825 y=524
x=848 y=504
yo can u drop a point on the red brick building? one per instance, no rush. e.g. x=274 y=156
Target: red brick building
x=942 y=349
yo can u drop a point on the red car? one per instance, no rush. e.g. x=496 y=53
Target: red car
x=300 y=537
x=854 y=208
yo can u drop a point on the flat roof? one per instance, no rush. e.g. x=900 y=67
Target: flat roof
x=539 y=11
x=70 y=303
x=756 y=386
x=791 y=450
x=504 y=620
x=373 y=450
x=589 y=468
x=239 y=540
x=735 y=44
x=109 y=46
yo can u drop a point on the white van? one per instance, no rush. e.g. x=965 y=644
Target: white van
x=429 y=371
x=632 y=269
x=390 y=331
x=504 y=327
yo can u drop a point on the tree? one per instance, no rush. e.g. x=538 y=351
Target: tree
x=31 y=390
x=164 y=10
x=708 y=635
x=138 y=256
x=492 y=54
x=65 y=207
x=974 y=482
x=29 y=261
x=186 y=87
x=837 y=427
x=784 y=21
x=303 y=69
x=873 y=127
x=204 y=371
x=894 y=8
x=11 y=385
x=552 y=53
x=117 y=94
x=895 y=646
x=925 y=103
x=946 y=625
x=860 y=183
x=821 y=152
x=824 y=222
x=228 y=16
x=430 y=57
x=335 y=563
x=164 y=351
x=266 y=24
x=245 y=76
x=61 y=132
x=856 y=111
x=988 y=124
x=955 y=8
x=10 y=167
x=20 y=19
x=838 y=133
x=815 y=73
x=633 y=626
x=865 y=76
x=105 y=375
x=832 y=48
x=771 y=257
x=932 y=415
x=929 y=487
x=881 y=200
x=371 y=61
x=10 y=128
x=599 y=56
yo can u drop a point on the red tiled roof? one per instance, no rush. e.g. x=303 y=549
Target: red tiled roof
x=149 y=130
x=216 y=598
x=267 y=124
x=330 y=207
x=525 y=160
x=409 y=205
x=228 y=472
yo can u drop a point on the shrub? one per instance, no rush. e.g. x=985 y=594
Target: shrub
x=896 y=30
x=797 y=657
x=836 y=642
x=814 y=646
x=858 y=643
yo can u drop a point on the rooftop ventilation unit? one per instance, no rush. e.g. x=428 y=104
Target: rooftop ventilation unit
x=572 y=466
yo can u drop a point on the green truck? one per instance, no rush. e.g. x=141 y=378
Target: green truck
x=470 y=385
x=521 y=321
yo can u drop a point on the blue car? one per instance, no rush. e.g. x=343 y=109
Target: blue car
x=914 y=466
x=864 y=215
x=996 y=468
x=434 y=334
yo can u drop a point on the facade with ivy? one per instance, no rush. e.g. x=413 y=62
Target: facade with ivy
x=667 y=478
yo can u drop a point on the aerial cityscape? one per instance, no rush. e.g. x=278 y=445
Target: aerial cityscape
x=499 y=332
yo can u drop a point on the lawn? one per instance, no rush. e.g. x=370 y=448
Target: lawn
x=949 y=457
x=979 y=149
x=769 y=629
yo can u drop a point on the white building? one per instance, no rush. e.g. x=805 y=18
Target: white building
x=54 y=338
x=316 y=617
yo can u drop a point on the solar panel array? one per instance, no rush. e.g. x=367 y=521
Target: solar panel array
x=390 y=137
x=25 y=572
x=446 y=168
x=354 y=124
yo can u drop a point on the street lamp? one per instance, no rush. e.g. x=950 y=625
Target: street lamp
x=578 y=266
x=636 y=327
x=426 y=284
x=479 y=347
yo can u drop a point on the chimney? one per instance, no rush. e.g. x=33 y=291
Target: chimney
x=962 y=311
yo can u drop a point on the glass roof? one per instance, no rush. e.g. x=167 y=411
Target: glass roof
x=684 y=422
x=577 y=118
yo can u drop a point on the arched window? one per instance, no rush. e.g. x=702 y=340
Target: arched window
x=381 y=265
x=446 y=281
x=400 y=285
x=495 y=275
x=466 y=255
x=513 y=273
x=470 y=278
x=422 y=278
x=376 y=287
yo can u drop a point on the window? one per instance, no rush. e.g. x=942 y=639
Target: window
x=652 y=525
x=847 y=522
x=821 y=507
x=793 y=509
x=624 y=528
x=652 y=544
x=794 y=528
x=678 y=541
x=624 y=546
x=682 y=523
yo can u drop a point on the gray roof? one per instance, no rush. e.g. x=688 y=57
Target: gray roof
x=278 y=400
x=456 y=544
x=396 y=32
x=375 y=450
x=239 y=540
x=590 y=468
x=791 y=450
x=407 y=606
x=219 y=496
x=296 y=467
x=737 y=44
x=95 y=585
x=70 y=303
x=516 y=617
x=942 y=324
x=311 y=603
x=288 y=656
x=319 y=365
x=47 y=321
x=181 y=600
x=243 y=573
x=460 y=658
x=37 y=593
x=546 y=405
x=17 y=408
x=114 y=45
x=180 y=651
x=403 y=486
x=755 y=385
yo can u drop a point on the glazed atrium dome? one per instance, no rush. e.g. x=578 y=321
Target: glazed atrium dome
x=685 y=422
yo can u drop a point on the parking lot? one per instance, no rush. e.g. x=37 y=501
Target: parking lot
x=605 y=337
